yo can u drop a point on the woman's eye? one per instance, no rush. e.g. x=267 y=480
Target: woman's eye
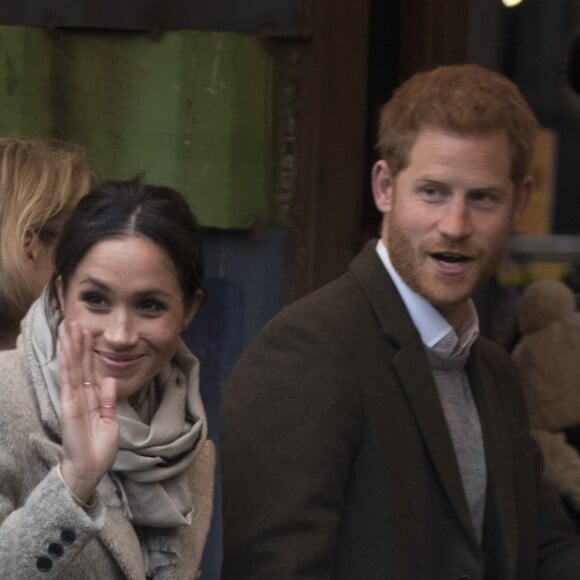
x=152 y=306
x=94 y=299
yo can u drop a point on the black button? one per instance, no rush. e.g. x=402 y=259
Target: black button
x=55 y=549
x=68 y=536
x=464 y=577
x=44 y=563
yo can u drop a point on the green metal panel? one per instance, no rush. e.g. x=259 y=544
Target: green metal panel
x=192 y=110
x=25 y=70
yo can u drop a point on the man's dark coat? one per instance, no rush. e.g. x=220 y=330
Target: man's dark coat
x=338 y=464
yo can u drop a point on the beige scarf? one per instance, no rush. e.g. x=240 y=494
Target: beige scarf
x=159 y=437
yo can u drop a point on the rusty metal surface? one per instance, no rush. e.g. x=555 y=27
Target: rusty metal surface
x=245 y=16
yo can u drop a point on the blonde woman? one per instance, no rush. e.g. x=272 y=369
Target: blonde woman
x=40 y=184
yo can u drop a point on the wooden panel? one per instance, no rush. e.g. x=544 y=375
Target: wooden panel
x=334 y=138
x=330 y=141
x=433 y=32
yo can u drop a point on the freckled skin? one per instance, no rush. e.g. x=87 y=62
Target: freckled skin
x=455 y=200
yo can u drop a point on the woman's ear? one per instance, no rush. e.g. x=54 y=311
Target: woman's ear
x=30 y=247
x=38 y=256
x=60 y=293
x=192 y=311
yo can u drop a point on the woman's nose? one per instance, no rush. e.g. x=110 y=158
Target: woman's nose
x=120 y=330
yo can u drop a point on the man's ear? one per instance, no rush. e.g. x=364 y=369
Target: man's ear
x=382 y=182
x=522 y=195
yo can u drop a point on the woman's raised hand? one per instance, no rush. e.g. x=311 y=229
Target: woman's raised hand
x=88 y=416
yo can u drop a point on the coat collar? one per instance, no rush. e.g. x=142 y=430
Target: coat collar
x=415 y=375
x=416 y=380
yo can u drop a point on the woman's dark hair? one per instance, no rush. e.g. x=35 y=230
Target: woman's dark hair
x=117 y=209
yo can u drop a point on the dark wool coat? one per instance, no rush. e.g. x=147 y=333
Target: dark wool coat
x=338 y=463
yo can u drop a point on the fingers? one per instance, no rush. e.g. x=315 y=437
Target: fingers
x=63 y=364
x=77 y=366
x=85 y=366
x=108 y=399
x=87 y=357
x=88 y=416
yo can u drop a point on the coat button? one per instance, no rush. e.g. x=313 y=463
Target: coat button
x=44 y=563
x=55 y=549
x=68 y=536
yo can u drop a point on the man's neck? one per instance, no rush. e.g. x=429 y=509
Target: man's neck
x=432 y=323
x=456 y=315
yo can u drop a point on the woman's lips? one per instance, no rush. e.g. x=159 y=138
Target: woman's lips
x=119 y=362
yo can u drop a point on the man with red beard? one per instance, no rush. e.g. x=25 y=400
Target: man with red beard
x=368 y=432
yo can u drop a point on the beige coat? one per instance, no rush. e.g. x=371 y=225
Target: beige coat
x=40 y=524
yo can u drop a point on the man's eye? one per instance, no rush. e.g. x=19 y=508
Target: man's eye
x=484 y=198
x=431 y=193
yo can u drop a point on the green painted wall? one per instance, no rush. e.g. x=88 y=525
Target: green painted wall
x=192 y=110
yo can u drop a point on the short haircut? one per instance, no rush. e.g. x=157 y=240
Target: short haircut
x=466 y=99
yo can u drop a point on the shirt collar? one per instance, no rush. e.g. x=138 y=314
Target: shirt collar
x=435 y=331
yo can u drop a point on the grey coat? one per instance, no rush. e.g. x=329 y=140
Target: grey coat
x=41 y=527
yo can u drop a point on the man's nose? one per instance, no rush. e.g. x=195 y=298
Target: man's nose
x=455 y=222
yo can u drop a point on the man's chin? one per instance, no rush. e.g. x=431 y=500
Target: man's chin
x=446 y=301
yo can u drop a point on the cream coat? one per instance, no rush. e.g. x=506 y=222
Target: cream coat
x=40 y=524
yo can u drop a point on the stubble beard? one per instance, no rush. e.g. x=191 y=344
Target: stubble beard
x=441 y=294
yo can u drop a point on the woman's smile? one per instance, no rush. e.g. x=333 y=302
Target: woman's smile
x=118 y=362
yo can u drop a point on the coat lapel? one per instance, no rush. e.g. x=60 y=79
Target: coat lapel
x=500 y=503
x=415 y=376
x=120 y=539
x=417 y=381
